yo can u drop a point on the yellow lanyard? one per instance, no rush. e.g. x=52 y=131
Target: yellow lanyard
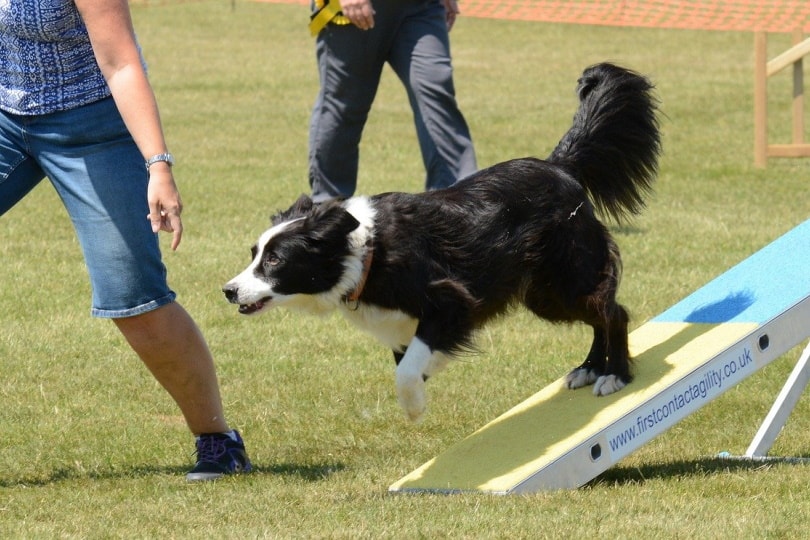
x=328 y=11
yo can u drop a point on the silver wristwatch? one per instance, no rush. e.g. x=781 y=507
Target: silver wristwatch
x=167 y=157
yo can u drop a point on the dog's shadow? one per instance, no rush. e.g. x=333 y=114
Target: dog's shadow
x=619 y=475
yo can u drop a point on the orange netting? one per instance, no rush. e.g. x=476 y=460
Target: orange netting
x=735 y=15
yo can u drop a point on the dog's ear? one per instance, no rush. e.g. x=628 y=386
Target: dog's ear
x=592 y=77
x=585 y=84
x=331 y=220
x=299 y=208
x=303 y=205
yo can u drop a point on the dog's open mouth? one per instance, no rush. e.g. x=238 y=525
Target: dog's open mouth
x=249 y=309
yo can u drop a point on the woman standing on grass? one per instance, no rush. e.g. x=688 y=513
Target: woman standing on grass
x=76 y=107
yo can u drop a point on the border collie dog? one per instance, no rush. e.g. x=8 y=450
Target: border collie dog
x=421 y=272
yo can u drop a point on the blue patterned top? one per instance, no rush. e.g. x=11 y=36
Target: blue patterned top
x=46 y=61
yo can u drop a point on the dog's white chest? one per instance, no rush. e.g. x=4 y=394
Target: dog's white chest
x=391 y=327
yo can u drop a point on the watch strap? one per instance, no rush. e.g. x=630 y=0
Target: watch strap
x=166 y=157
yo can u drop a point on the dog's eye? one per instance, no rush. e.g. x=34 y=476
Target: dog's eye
x=271 y=260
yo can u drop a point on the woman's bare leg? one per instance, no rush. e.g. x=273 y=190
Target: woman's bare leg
x=172 y=347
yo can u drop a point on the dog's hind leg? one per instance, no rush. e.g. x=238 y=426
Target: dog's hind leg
x=607 y=365
x=617 y=369
x=608 y=362
x=594 y=365
x=589 y=311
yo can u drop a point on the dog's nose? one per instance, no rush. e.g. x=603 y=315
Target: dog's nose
x=231 y=292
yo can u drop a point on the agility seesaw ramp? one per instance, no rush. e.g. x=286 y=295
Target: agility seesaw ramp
x=684 y=358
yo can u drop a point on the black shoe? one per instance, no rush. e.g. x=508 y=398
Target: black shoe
x=217 y=455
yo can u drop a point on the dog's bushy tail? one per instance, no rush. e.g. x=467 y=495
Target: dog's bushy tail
x=613 y=146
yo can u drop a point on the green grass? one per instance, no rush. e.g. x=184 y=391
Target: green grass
x=93 y=448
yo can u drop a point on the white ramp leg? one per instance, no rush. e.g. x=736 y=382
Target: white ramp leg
x=782 y=407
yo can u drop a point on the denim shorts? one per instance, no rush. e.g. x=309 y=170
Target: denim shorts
x=91 y=159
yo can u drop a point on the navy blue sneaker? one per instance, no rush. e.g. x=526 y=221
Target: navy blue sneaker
x=217 y=455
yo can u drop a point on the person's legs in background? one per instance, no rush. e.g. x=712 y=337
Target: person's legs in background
x=349 y=69
x=421 y=58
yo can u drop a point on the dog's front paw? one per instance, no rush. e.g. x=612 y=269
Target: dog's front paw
x=579 y=377
x=411 y=395
x=607 y=384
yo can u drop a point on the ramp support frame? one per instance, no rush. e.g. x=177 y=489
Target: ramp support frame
x=780 y=411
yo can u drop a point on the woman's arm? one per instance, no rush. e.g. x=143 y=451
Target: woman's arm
x=112 y=36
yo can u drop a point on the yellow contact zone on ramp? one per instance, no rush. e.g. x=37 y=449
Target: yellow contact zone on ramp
x=535 y=433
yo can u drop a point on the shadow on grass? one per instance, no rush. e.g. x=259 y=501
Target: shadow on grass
x=308 y=473
x=621 y=476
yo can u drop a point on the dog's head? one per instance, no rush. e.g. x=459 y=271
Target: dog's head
x=304 y=252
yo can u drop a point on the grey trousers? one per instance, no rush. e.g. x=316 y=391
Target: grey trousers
x=412 y=37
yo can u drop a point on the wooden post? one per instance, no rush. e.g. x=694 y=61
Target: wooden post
x=798 y=94
x=760 y=100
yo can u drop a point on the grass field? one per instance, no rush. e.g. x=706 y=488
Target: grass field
x=93 y=448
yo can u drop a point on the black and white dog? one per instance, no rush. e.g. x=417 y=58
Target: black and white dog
x=421 y=272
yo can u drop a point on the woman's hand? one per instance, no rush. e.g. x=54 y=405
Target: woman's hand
x=359 y=12
x=165 y=205
x=451 y=12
